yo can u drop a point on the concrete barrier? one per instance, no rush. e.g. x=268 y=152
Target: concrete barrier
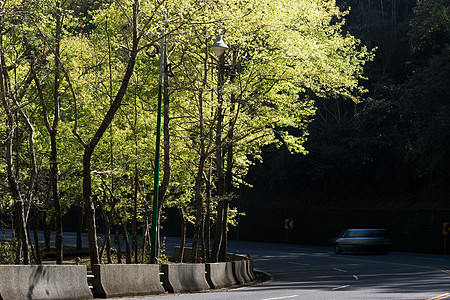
x=126 y=280
x=220 y=275
x=181 y=278
x=250 y=271
x=44 y=282
x=240 y=272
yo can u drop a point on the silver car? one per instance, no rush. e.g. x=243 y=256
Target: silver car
x=363 y=240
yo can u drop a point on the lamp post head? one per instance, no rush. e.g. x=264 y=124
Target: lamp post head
x=219 y=46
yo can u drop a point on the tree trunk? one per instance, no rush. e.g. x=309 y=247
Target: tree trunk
x=146 y=242
x=218 y=237
x=36 y=240
x=54 y=169
x=127 y=242
x=33 y=252
x=223 y=244
x=134 y=237
x=198 y=188
x=20 y=220
x=108 y=245
x=53 y=132
x=106 y=241
x=19 y=211
x=89 y=148
x=202 y=239
x=136 y=185
x=218 y=233
x=228 y=173
x=56 y=201
x=164 y=186
x=22 y=239
x=183 y=234
x=208 y=218
x=89 y=208
x=119 y=249
x=199 y=208
x=47 y=233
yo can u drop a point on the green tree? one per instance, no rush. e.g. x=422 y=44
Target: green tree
x=20 y=157
x=277 y=51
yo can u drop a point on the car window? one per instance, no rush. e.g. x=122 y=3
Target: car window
x=355 y=233
x=351 y=234
x=365 y=233
x=376 y=233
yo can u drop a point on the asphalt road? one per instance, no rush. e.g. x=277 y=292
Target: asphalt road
x=306 y=272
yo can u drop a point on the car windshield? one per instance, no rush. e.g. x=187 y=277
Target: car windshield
x=366 y=233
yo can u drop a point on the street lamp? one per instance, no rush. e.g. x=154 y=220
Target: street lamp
x=219 y=46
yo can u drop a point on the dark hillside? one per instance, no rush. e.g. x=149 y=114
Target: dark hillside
x=392 y=150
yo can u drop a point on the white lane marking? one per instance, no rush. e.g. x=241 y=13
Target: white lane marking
x=443 y=296
x=285 y=297
x=296 y=263
x=356 y=277
x=341 y=287
x=340 y=270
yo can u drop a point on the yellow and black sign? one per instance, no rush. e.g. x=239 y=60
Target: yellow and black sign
x=289 y=224
x=446 y=228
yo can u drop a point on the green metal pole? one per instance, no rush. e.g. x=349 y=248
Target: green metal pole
x=154 y=232
x=239 y=214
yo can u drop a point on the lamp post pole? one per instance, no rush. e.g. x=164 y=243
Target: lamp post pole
x=154 y=231
x=219 y=48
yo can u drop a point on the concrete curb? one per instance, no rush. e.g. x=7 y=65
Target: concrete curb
x=44 y=282
x=220 y=275
x=182 y=278
x=126 y=280
x=263 y=276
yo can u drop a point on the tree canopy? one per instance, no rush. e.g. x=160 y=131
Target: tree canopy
x=92 y=68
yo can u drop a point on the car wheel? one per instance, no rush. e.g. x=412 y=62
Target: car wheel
x=337 y=249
